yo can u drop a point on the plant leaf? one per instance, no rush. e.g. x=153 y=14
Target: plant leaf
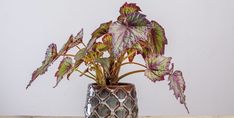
x=177 y=84
x=158 y=39
x=104 y=63
x=80 y=54
x=76 y=65
x=125 y=35
x=131 y=54
x=157 y=67
x=64 y=67
x=129 y=8
x=100 y=31
x=50 y=55
x=72 y=42
x=100 y=47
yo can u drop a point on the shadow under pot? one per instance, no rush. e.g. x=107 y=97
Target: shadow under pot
x=111 y=101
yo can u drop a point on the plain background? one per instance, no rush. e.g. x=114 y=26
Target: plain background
x=200 y=35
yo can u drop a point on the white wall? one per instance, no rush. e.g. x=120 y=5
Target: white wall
x=200 y=35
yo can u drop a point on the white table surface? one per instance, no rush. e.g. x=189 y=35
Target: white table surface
x=139 y=117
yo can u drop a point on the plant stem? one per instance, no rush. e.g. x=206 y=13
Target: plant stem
x=129 y=73
x=78 y=47
x=83 y=44
x=86 y=74
x=134 y=63
x=68 y=55
x=129 y=55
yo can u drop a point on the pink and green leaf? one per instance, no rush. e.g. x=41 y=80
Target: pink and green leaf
x=157 y=67
x=158 y=38
x=100 y=31
x=125 y=35
x=129 y=8
x=72 y=42
x=177 y=84
x=51 y=54
x=64 y=67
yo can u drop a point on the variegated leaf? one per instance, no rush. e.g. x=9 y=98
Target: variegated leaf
x=80 y=54
x=131 y=54
x=107 y=39
x=129 y=8
x=104 y=63
x=177 y=84
x=76 y=65
x=51 y=54
x=125 y=35
x=72 y=42
x=158 y=38
x=64 y=67
x=100 y=31
x=157 y=67
x=100 y=47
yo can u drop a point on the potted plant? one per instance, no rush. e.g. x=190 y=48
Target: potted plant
x=113 y=45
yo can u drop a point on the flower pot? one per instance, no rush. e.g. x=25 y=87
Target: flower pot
x=112 y=101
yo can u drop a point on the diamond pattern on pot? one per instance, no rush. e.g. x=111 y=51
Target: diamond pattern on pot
x=121 y=94
x=133 y=93
x=121 y=112
x=112 y=102
x=129 y=102
x=135 y=111
x=93 y=115
x=94 y=101
x=103 y=110
x=104 y=93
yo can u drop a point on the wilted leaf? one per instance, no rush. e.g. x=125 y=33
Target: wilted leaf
x=157 y=67
x=129 y=8
x=126 y=35
x=177 y=84
x=72 y=42
x=100 y=31
x=50 y=55
x=64 y=68
x=158 y=38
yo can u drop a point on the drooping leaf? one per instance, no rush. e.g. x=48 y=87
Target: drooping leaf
x=51 y=54
x=104 y=63
x=129 y=8
x=125 y=35
x=72 y=42
x=158 y=38
x=100 y=31
x=64 y=67
x=177 y=84
x=157 y=67
x=80 y=54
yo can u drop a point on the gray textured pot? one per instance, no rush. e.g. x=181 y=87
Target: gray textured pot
x=112 y=101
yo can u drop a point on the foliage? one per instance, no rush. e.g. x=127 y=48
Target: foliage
x=132 y=34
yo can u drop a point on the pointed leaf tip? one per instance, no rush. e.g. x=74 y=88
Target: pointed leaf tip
x=50 y=55
x=129 y=8
x=177 y=84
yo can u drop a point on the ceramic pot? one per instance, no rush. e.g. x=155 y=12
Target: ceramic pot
x=112 y=101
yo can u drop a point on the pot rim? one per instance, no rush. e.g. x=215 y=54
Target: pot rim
x=122 y=84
